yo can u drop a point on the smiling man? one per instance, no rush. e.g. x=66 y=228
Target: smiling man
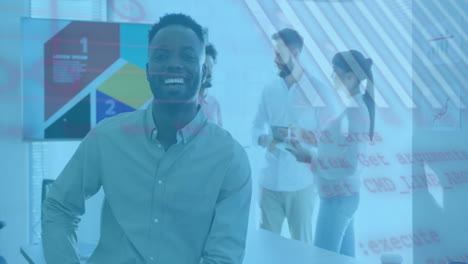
x=177 y=189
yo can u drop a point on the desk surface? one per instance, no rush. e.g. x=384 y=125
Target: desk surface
x=263 y=247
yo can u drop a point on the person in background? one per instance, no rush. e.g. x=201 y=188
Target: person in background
x=287 y=187
x=339 y=187
x=208 y=103
x=177 y=188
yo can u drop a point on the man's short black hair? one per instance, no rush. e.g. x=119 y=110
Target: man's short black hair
x=290 y=37
x=177 y=19
x=210 y=50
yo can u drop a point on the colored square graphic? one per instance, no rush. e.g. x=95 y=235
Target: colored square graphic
x=128 y=85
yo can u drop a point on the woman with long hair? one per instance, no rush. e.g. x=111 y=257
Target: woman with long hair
x=335 y=162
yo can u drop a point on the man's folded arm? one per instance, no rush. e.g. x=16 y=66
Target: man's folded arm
x=65 y=203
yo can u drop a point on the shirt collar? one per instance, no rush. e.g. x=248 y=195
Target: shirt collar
x=298 y=83
x=185 y=134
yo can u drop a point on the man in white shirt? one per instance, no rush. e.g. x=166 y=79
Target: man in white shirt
x=287 y=185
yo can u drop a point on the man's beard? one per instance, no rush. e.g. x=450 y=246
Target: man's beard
x=285 y=69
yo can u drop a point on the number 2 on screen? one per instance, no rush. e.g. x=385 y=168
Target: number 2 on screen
x=110 y=111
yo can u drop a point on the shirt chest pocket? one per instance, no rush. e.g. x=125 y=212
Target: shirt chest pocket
x=191 y=195
x=185 y=203
x=191 y=212
x=192 y=189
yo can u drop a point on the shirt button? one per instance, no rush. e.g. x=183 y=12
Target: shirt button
x=159 y=182
x=151 y=258
x=159 y=145
x=156 y=220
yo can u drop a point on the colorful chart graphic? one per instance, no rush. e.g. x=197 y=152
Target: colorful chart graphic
x=77 y=73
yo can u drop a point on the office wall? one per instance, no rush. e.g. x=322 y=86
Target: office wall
x=14 y=183
x=440 y=56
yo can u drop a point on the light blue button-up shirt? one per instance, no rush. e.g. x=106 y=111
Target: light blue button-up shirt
x=189 y=204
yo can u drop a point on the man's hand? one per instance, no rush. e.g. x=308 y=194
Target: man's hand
x=301 y=153
x=282 y=133
x=272 y=146
x=263 y=140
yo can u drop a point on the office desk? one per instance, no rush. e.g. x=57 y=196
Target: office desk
x=263 y=247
